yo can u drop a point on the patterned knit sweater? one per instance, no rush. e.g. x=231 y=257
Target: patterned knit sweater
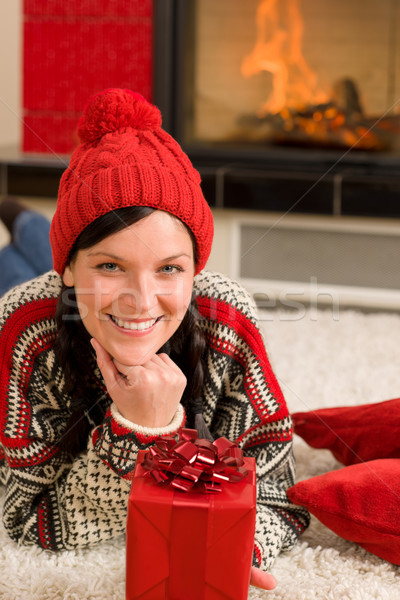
x=61 y=503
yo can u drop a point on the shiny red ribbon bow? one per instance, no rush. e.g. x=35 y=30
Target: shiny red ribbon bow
x=190 y=463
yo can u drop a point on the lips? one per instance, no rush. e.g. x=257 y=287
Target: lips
x=134 y=325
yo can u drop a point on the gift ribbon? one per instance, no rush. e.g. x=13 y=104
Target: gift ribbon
x=190 y=463
x=187 y=573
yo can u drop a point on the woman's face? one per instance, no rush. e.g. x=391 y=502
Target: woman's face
x=133 y=288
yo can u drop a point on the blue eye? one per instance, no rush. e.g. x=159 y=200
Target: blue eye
x=108 y=266
x=170 y=269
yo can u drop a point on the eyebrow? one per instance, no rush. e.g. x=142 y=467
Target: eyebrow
x=121 y=259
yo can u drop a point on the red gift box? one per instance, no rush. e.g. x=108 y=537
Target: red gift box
x=189 y=545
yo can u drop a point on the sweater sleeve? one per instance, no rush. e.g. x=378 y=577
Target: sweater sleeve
x=53 y=500
x=244 y=403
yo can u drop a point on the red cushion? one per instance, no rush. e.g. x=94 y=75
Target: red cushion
x=360 y=503
x=353 y=434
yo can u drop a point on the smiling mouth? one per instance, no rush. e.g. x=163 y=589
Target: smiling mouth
x=134 y=326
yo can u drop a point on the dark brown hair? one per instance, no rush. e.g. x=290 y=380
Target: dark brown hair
x=73 y=349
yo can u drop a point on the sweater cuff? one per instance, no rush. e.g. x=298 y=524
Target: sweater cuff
x=173 y=426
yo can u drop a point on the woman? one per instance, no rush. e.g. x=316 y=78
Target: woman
x=128 y=339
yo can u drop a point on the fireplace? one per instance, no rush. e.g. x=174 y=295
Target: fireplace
x=285 y=105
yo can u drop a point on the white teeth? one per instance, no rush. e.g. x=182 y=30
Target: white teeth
x=134 y=326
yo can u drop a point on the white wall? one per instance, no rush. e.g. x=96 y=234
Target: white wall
x=11 y=69
x=10 y=72
x=10 y=79
x=221 y=255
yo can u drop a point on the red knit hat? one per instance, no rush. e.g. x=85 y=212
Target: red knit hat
x=126 y=159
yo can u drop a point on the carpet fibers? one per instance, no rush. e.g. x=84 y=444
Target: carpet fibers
x=321 y=358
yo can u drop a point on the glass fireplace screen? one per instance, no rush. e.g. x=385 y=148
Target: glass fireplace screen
x=312 y=73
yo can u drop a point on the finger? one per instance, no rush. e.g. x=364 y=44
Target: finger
x=262 y=580
x=166 y=366
x=105 y=363
x=164 y=360
x=155 y=362
x=123 y=369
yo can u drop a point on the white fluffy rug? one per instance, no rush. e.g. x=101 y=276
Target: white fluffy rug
x=320 y=360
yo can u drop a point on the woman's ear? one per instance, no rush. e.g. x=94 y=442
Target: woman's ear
x=68 y=277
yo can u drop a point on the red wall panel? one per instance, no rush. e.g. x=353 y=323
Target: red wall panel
x=68 y=56
x=52 y=134
x=99 y=8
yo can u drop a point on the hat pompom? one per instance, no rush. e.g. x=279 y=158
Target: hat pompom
x=126 y=159
x=116 y=109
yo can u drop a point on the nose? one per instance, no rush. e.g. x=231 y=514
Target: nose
x=139 y=298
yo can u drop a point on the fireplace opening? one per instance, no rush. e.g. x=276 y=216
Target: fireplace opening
x=310 y=99
x=302 y=94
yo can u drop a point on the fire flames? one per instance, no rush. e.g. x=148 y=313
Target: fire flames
x=297 y=110
x=278 y=50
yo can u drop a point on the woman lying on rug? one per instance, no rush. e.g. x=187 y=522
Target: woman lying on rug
x=128 y=339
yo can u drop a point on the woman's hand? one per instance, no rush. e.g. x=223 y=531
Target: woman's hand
x=147 y=394
x=262 y=580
